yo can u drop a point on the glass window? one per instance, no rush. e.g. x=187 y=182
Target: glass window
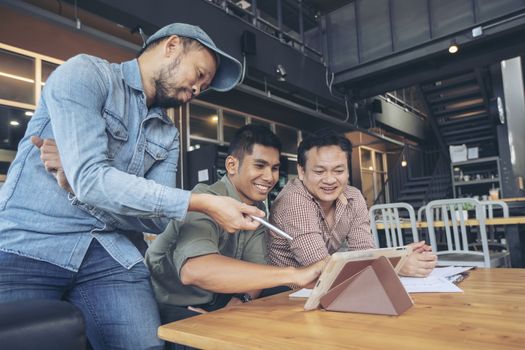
x=17 y=77
x=261 y=122
x=13 y=124
x=379 y=161
x=373 y=176
x=367 y=183
x=292 y=169
x=196 y=144
x=47 y=69
x=379 y=181
x=204 y=122
x=230 y=124
x=366 y=159
x=268 y=11
x=288 y=139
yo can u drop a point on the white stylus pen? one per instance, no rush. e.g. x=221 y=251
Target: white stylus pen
x=271 y=227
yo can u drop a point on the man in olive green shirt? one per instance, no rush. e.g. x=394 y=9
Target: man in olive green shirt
x=196 y=266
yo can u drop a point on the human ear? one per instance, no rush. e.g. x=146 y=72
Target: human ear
x=232 y=164
x=172 y=45
x=300 y=172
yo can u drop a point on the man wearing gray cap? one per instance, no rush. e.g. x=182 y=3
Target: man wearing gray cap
x=119 y=152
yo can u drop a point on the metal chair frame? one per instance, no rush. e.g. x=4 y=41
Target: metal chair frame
x=456 y=232
x=392 y=223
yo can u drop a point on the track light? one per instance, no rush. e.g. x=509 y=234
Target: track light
x=281 y=72
x=454 y=47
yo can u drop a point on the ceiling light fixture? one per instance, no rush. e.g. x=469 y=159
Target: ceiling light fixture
x=14 y=123
x=281 y=72
x=454 y=47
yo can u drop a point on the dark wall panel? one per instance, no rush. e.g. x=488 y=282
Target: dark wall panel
x=488 y=9
x=374 y=28
x=449 y=16
x=395 y=117
x=342 y=41
x=410 y=23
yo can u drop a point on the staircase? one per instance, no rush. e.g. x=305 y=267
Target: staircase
x=426 y=177
x=460 y=107
x=414 y=191
x=417 y=191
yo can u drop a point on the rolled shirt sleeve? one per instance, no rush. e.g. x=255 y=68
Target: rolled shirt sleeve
x=199 y=235
x=255 y=247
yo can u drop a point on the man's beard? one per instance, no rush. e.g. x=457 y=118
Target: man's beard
x=165 y=93
x=162 y=97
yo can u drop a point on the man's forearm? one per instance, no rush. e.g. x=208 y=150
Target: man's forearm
x=222 y=274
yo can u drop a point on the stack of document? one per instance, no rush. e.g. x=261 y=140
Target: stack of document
x=440 y=280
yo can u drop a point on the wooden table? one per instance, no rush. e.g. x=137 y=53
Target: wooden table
x=514 y=220
x=512 y=200
x=490 y=314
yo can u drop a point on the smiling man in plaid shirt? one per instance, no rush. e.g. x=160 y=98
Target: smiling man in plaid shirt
x=322 y=212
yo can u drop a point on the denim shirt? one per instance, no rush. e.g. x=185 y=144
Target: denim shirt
x=119 y=157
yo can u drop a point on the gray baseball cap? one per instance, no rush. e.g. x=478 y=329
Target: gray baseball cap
x=229 y=69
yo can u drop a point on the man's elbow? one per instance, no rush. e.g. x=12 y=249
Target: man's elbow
x=86 y=183
x=190 y=275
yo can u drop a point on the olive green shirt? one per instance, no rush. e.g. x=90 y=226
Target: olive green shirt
x=199 y=235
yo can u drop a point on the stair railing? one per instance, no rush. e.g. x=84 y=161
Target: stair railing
x=418 y=163
x=440 y=183
x=397 y=176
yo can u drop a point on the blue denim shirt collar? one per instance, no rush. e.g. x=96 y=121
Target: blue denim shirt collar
x=131 y=75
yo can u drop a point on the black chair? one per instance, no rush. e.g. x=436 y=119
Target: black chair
x=41 y=324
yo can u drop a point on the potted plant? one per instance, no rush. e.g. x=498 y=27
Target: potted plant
x=462 y=211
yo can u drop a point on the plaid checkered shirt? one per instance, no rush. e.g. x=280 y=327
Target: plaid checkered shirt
x=299 y=214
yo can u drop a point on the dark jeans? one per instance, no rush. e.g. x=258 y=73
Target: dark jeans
x=118 y=304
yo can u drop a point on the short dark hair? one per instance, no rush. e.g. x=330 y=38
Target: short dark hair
x=324 y=137
x=244 y=139
x=187 y=44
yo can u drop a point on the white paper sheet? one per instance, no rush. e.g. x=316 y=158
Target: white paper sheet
x=449 y=271
x=301 y=293
x=429 y=285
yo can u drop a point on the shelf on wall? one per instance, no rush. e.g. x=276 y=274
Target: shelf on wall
x=476 y=182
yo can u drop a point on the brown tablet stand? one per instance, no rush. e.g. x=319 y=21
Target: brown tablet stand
x=367 y=286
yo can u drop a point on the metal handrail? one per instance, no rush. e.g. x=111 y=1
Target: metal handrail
x=419 y=163
x=256 y=21
x=440 y=183
x=397 y=175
